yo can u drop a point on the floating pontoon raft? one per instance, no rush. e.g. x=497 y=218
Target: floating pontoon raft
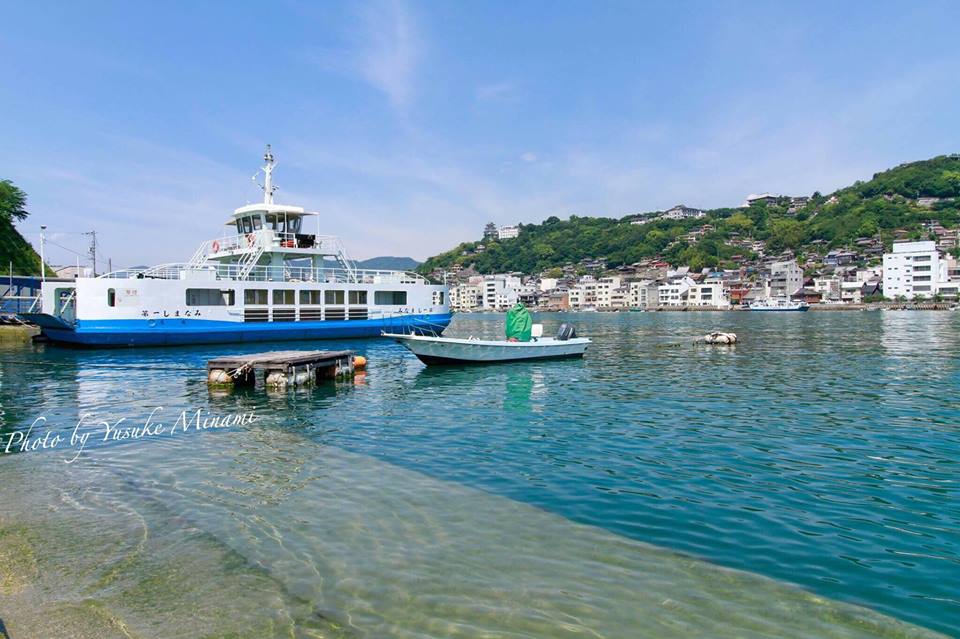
x=282 y=368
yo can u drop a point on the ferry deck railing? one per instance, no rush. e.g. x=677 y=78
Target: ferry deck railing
x=262 y=273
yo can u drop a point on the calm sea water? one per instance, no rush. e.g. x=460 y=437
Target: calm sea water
x=802 y=483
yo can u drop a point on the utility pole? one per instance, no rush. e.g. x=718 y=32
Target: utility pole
x=93 y=250
x=43 y=239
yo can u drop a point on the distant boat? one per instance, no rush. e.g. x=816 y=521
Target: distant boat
x=778 y=304
x=589 y=309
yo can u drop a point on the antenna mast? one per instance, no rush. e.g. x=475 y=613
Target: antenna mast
x=268 y=187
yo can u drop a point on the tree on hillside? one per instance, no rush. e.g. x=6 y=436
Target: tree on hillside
x=786 y=233
x=13 y=202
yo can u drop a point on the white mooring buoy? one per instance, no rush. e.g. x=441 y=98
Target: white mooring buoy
x=719 y=338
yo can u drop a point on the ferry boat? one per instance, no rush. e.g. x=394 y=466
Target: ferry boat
x=778 y=304
x=266 y=278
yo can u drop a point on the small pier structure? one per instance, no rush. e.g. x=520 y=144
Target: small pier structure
x=282 y=368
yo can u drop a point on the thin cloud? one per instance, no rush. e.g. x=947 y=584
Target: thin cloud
x=388 y=50
x=497 y=92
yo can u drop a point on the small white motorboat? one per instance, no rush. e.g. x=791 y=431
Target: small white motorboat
x=451 y=350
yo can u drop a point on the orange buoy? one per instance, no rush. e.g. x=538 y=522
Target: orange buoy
x=359 y=362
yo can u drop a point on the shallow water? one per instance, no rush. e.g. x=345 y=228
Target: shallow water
x=609 y=497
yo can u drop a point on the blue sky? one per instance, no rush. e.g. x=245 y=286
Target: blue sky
x=408 y=125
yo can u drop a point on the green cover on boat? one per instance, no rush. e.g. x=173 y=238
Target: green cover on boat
x=519 y=323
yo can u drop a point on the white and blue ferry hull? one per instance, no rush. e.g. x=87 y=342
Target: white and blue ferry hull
x=179 y=332
x=154 y=312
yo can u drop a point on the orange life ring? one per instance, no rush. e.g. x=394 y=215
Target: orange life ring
x=215 y=246
x=251 y=238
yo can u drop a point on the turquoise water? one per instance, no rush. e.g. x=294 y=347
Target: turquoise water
x=653 y=489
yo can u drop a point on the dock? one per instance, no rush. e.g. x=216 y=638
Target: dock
x=282 y=368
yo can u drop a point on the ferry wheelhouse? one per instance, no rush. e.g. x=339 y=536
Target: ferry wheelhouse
x=266 y=278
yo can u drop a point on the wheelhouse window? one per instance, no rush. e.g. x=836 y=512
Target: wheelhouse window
x=210 y=297
x=255 y=296
x=111 y=297
x=311 y=298
x=283 y=297
x=390 y=298
x=333 y=297
x=358 y=297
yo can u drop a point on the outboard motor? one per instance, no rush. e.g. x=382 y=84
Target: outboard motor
x=565 y=332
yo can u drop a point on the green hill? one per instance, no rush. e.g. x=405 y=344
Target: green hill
x=886 y=206
x=14 y=249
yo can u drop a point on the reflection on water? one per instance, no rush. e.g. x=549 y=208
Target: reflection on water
x=820 y=451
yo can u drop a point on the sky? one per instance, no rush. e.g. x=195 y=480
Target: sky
x=409 y=125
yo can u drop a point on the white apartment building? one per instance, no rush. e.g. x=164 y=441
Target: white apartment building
x=605 y=290
x=644 y=294
x=508 y=232
x=851 y=292
x=682 y=212
x=584 y=293
x=916 y=269
x=500 y=292
x=828 y=287
x=674 y=293
x=711 y=294
x=465 y=298
x=786 y=278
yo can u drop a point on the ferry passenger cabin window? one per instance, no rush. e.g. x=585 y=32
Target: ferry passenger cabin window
x=333 y=297
x=390 y=298
x=283 y=223
x=210 y=297
x=283 y=297
x=358 y=297
x=111 y=297
x=255 y=296
x=311 y=298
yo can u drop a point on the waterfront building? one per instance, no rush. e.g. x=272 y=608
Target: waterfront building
x=828 y=287
x=605 y=289
x=674 y=293
x=851 y=292
x=710 y=294
x=500 y=291
x=786 y=278
x=644 y=294
x=465 y=298
x=584 y=293
x=915 y=269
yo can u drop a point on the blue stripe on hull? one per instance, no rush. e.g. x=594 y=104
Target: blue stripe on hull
x=180 y=331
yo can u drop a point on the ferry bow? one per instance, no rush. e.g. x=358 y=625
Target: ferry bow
x=264 y=279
